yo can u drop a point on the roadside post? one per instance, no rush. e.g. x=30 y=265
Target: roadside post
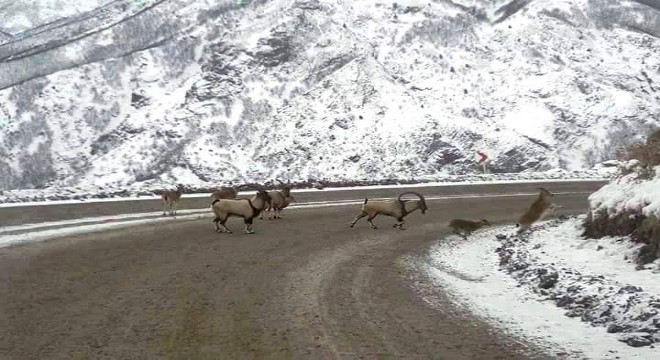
x=482 y=160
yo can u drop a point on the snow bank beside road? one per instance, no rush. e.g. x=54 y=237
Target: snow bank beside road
x=571 y=296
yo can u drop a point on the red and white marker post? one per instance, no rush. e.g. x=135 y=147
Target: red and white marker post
x=482 y=160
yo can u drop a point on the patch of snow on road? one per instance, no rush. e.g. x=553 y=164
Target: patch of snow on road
x=36 y=236
x=554 y=268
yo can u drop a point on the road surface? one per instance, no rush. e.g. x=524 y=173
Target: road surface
x=307 y=286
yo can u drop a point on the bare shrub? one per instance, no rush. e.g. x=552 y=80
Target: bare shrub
x=647 y=152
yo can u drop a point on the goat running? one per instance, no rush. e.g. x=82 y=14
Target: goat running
x=537 y=211
x=467 y=226
x=398 y=209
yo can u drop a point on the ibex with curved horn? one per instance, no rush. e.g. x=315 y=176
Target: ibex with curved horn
x=247 y=209
x=398 y=209
x=280 y=199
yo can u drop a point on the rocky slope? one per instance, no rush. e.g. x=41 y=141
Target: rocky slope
x=134 y=90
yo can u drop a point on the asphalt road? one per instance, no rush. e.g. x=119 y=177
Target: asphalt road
x=307 y=286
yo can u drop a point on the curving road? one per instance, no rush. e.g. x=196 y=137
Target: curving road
x=303 y=287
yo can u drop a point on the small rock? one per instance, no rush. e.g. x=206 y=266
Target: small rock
x=636 y=340
x=599 y=248
x=615 y=328
x=630 y=289
x=564 y=301
x=646 y=315
x=548 y=279
x=501 y=237
x=577 y=312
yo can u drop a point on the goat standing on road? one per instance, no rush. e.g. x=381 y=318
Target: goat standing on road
x=247 y=209
x=537 y=211
x=171 y=200
x=279 y=199
x=395 y=208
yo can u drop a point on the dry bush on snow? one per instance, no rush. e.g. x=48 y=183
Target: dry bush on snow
x=647 y=152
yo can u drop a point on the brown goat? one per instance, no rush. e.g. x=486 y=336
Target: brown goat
x=395 y=208
x=467 y=226
x=171 y=199
x=537 y=211
x=279 y=200
x=225 y=192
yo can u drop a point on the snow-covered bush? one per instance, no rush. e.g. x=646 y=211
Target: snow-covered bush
x=629 y=205
x=642 y=157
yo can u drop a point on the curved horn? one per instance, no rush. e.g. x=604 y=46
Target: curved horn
x=420 y=196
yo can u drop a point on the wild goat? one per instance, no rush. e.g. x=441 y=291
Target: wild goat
x=171 y=199
x=395 y=208
x=225 y=192
x=279 y=199
x=537 y=211
x=247 y=209
x=467 y=226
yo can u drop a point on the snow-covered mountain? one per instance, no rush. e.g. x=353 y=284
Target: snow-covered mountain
x=132 y=90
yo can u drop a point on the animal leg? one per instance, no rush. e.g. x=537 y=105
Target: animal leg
x=248 y=226
x=358 y=218
x=522 y=229
x=371 y=222
x=164 y=208
x=553 y=209
x=400 y=223
x=273 y=213
x=217 y=228
x=226 y=229
x=456 y=232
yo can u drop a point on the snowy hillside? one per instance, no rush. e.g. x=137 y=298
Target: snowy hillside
x=131 y=90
